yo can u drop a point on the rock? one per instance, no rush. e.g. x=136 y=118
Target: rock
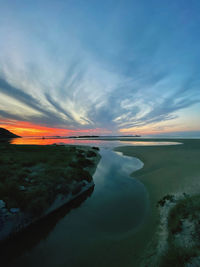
x=4 y=210
x=58 y=187
x=14 y=210
x=2 y=204
x=22 y=188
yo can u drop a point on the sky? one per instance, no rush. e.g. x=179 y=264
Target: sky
x=71 y=67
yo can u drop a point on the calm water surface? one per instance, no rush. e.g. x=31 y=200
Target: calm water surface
x=97 y=230
x=112 y=142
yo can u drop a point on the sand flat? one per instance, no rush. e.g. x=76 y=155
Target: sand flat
x=167 y=170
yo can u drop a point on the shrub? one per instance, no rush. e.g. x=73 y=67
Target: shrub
x=96 y=148
x=178 y=256
x=162 y=201
x=91 y=154
x=84 y=163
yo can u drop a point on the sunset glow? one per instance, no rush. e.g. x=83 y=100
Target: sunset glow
x=61 y=74
x=22 y=128
x=99 y=133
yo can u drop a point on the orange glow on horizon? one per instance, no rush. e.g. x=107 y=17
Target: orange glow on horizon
x=28 y=129
x=153 y=131
x=23 y=129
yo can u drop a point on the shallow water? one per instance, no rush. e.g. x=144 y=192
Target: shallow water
x=98 y=229
x=114 y=211
x=111 y=142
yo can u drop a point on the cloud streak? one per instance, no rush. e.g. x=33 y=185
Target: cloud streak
x=86 y=67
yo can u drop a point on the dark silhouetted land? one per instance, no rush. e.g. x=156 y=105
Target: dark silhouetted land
x=5 y=134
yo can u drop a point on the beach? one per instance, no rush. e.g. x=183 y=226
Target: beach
x=129 y=222
x=167 y=170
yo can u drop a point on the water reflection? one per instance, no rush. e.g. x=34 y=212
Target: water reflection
x=118 y=197
x=98 y=142
x=30 y=237
x=51 y=141
x=116 y=209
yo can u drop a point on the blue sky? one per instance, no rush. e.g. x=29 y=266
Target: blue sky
x=115 y=66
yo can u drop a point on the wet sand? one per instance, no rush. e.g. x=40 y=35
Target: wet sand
x=167 y=170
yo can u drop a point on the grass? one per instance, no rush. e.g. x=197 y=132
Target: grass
x=186 y=208
x=189 y=207
x=31 y=176
x=176 y=255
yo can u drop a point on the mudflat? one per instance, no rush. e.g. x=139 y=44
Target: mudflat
x=168 y=170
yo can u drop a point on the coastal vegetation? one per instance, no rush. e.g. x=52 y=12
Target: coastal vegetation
x=183 y=231
x=32 y=176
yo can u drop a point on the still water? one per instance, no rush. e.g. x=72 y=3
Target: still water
x=97 y=230
x=111 y=142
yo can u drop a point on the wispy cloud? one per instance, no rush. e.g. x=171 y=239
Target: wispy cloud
x=108 y=66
